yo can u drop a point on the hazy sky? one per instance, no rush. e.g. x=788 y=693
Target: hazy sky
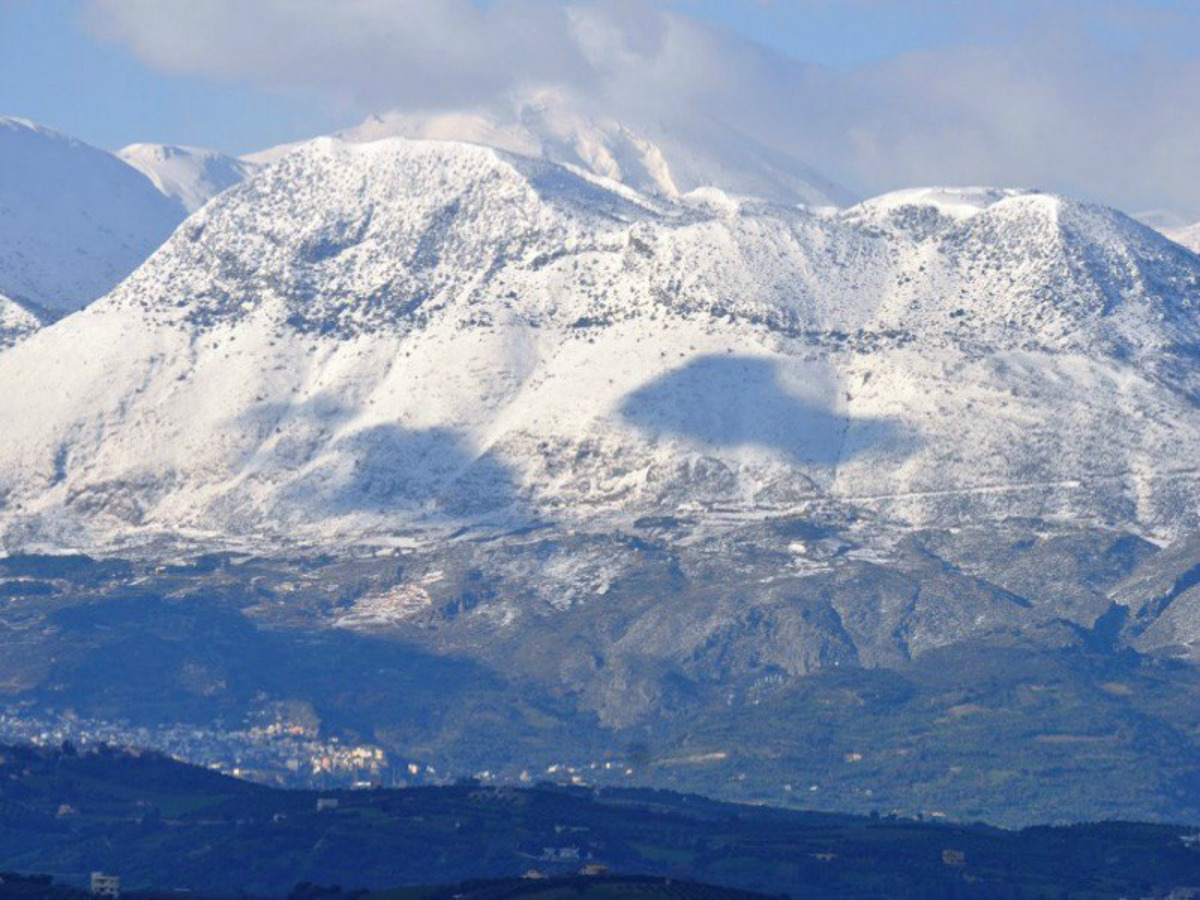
x=1097 y=98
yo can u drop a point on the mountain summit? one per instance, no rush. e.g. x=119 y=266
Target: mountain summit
x=666 y=158
x=1188 y=236
x=189 y=175
x=17 y=322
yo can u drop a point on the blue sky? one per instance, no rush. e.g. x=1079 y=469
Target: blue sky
x=54 y=71
x=1099 y=98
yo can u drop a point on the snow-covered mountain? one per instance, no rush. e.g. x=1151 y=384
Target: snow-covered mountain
x=1188 y=237
x=665 y=158
x=1173 y=225
x=367 y=336
x=16 y=322
x=189 y=175
x=74 y=220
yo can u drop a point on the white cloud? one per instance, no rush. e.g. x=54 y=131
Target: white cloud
x=1093 y=99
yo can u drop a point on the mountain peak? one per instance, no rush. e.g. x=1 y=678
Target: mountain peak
x=189 y=175
x=17 y=125
x=957 y=203
x=1186 y=237
x=666 y=158
x=16 y=322
x=344 y=236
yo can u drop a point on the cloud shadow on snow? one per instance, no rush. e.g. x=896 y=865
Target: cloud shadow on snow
x=735 y=401
x=383 y=467
x=393 y=466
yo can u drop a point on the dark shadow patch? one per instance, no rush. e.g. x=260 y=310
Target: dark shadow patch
x=147 y=659
x=731 y=401
x=398 y=467
x=383 y=468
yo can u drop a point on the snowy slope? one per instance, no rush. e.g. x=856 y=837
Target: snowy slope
x=1189 y=237
x=16 y=322
x=74 y=220
x=189 y=175
x=1173 y=225
x=370 y=335
x=665 y=158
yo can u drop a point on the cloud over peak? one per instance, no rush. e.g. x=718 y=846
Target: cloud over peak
x=1091 y=99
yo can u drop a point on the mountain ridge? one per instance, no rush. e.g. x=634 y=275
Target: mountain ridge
x=189 y=175
x=1188 y=236
x=17 y=322
x=286 y=352
x=78 y=219
x=669 y=157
